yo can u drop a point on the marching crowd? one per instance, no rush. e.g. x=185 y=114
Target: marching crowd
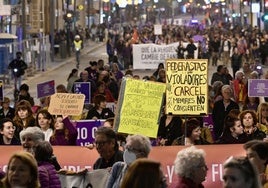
x=237 y=117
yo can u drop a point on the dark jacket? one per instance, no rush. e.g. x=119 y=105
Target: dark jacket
x=219 y=113
x=102 y=163
x=48 y=176
x=181 y=141
x=10 y=114
x=170 y=132
x=59 y=137
x=229 y=139
x=14 y=141
x=27 y=98
x=17 y=67
x=106 y=113
x=256 y=135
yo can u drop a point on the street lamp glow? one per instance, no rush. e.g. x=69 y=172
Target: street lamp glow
x=69 y=15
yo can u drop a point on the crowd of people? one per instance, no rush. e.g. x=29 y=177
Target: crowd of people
x=237 y=117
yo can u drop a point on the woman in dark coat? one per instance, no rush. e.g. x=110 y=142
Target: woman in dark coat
x=46 y=171
x=170 y=128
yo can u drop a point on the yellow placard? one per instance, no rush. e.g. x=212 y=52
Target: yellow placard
x=187 y=86
x=139 y=107
x=66 y=104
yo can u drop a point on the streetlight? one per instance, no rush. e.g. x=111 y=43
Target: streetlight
x=68 y=17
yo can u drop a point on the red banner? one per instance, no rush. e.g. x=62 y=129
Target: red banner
x=76 y=158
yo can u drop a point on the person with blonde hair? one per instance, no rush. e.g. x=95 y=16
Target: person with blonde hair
x=21 y=171
x=262 y=114
x=190 y=168
x=239 y=172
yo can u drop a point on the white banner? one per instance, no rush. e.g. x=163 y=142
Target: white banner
x=148 y=56
x=92 y=179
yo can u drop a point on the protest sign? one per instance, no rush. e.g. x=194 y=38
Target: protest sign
x=75 y=158
x=148 y=56
x=187 y=87
x=158 y=29
x=83 y=88
x=66 y=104
x=86 y=130
x=45 y=89
x=257 y=87
x=139 y=107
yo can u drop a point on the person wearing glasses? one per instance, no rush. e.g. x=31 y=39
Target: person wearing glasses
x=107 y=147
x=137 y=146
x=7 y=131
x=190 y=168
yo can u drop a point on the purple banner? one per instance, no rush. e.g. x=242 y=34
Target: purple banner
x=86 y=129
x=208 y=122
x=83 y=88
x=257 y=87
x=45 y=89
x=1 y=90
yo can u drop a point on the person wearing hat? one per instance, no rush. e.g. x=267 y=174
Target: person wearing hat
x=7 y=111
x=77 y=45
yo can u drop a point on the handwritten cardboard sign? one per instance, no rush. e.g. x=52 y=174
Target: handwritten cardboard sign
x=66 y=104
x=139 y=107
x=187 y=86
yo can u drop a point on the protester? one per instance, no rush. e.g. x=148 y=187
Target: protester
x=144 y=173
x=21 y=171
x=159 y=67
x=61 y=89
x=240 y=87
x=30 y=137
x=190 y=168
x=84 y=78
x=240 y=172
x=23 y=117
x=73 y=76
x=232 y=132
x=103 y=90
x=18 y=67
x=262 y=114
x=170 y=128
x=192 y=134
x=45 y=121
x=251 y=129
x=7 y=111
x=257 y=153
x=220 y=75
x=25 y=95
x=65 y=133
x=108 y=148
x=251 y=103
x=78 y=45
x=99 y=111
x=7 y=131
x=92 y=70
x=47 y=173
x=221 y=109
x=137 y=146
x=236 y=61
